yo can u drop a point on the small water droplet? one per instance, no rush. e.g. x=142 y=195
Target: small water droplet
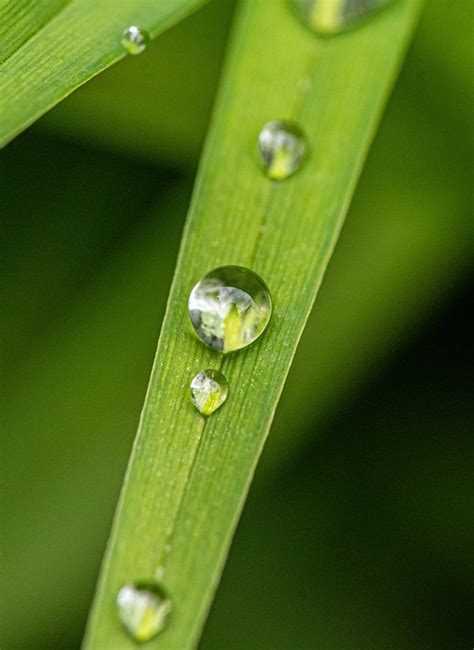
x=134 y=39
x=327 y=17
x=283 y=149
x=209 y=390
x=143 y=609
x=230 y=308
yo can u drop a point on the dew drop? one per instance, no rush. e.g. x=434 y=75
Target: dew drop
x=143 y=609
x=230 y=308
x=327 y=17
x=134 y=39
x=283 y=149
x=209 y=390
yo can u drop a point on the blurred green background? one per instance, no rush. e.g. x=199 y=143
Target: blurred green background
x=358 y=532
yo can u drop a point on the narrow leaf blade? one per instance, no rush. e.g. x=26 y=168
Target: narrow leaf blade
x=188 y=477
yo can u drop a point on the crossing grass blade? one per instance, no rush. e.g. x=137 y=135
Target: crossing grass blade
x=188 y=477
x=49 y=48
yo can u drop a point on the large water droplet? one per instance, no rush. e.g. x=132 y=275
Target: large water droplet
x=143 y=609
x=230 y=307
x=134 y=39
x=283 y=149
x=327 y=17
x=209 y=390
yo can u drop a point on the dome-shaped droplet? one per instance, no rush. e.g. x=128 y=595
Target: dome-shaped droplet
x=143 y=609
x=327 y=17
x=230 y=307
x=283 y=149
x=134 y=39
x=209 y=390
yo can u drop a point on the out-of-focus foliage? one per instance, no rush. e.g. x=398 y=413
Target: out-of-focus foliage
x=366 y=543
x=77 y=375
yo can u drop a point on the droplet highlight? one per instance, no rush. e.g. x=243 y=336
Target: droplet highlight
x=143 y=609
x=283 y=149
x=209 y=390
x=328 y=17
x=134 y=40
x=230 y=308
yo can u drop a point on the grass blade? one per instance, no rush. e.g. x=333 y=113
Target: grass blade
x=51 y=48
x=188 y=477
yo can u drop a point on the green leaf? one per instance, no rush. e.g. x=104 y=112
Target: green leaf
x=188 y=477
x=50 y=48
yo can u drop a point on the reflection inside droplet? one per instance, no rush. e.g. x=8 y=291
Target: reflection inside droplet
x=143 y=609
x=134 y=39
x=327 y=17
x=230 y=308
x=283 y=149
x=209 y=390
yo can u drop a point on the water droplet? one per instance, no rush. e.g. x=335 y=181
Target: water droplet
x=209 y=390
x=230 y=308
x=143 y=609
x=327 y=17
x=283 y=149
x=134 y=39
